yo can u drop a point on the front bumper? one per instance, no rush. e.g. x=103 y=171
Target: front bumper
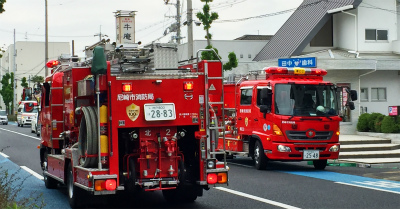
x=297 y=149
x=3 y=120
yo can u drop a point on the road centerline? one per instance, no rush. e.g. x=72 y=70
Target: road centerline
x=20 y=134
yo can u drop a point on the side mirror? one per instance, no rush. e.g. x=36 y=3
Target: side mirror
x=351 y=105
x=265 y=109
x=353 y=95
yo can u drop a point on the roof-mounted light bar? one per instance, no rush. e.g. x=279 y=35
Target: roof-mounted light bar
x=295 y=71
x=52 y=63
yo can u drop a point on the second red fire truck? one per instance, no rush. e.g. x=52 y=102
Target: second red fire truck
x=287 y=114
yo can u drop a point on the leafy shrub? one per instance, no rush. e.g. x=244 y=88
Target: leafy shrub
x=371 y=121
x=389 y=125
x=378 y=123
x=10 y=186
x=362 y=124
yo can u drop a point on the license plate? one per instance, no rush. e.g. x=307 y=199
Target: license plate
x=311 y=154
x=299 y=71
x=159 y=111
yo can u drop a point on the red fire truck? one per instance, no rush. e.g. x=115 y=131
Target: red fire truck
x=286 y=114
x=118 y=125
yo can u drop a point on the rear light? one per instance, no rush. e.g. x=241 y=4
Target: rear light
x=111 y=184
x=188 y=86
x=127 y=87
x=99 y=185
x=212 y=178
x=222 y=178
x=276 y=130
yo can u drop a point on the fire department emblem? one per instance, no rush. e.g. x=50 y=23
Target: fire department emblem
x=310 y=133
x=133 y=111
x=246 y=121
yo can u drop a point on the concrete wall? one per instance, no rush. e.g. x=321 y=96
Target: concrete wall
x=240 y=47
x=372 y=18
x=385 y=79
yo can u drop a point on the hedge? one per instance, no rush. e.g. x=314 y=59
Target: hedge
x=377 y=122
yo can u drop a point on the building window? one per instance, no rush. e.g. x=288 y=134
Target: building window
x=378 y=94
x=241 y=55
x=249 y=55
x=364 y=95
x=376 y=35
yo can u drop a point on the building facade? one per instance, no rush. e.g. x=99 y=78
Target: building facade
x=29 y=59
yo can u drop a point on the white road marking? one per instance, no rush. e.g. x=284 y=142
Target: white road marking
x=32 y=172
x=271 y=202
x=366 y=187
x=4 y=155
x=20 y=134
x=247 y=166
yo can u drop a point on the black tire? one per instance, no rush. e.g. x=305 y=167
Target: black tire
x=319 y=164
x=260 y=159
x=49 y=182
x=85 y=139
x=75 y=194
x=220 y=157
x=22 y=125
x=18 y=125
x=130 y=185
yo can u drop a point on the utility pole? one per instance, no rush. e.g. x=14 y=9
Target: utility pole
x=178 y=21
x=14 y=70
x=190 y=29
x=46 y=43
x=100 y=35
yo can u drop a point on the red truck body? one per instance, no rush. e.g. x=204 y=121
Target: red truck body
x=130 y=130
x=268 y=118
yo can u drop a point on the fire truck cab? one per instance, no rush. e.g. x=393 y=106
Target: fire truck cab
x=287 y=114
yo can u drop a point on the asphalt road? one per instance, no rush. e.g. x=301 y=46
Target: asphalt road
x=282 y=185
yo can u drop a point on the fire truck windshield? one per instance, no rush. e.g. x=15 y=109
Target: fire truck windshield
x=305 y=100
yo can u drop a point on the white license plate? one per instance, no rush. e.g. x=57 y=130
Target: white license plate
x=159 y=111
x=310 y=154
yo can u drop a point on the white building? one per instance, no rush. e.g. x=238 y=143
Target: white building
x=29 y=59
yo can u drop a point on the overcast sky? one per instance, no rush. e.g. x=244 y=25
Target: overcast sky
x=80 y=20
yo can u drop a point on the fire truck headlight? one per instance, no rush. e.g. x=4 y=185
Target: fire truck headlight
x=282 y=148
x=211 y=164
x=334 y=148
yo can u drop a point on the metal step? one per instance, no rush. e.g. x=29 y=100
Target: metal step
x=215 y=78
x=57 y=105
x=56 y=88
x=370 y=154
x=368 y=147
x=216 y=103
x=217 y=127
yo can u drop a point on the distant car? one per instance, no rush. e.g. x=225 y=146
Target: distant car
x=3 y=117
x=27 y=112
x=35 y=127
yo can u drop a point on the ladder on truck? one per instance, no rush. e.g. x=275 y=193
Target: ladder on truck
x=213 y=129
x=56 y=120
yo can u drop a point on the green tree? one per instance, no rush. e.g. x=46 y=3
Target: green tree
x=37 y=79
x=7 y=90
x=24 y=83
x=207 y=18
x=232 y=61
x=1 y=6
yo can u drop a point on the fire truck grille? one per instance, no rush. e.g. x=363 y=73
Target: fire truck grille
x=301 y=135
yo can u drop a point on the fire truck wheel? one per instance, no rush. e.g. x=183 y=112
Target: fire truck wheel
x=260 y=159
x=319 y=164
x=130 y=183
x=49 y=182
x=85 y=144
x=75 y=195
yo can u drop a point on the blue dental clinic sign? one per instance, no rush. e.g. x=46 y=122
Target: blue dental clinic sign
x=305 y=62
